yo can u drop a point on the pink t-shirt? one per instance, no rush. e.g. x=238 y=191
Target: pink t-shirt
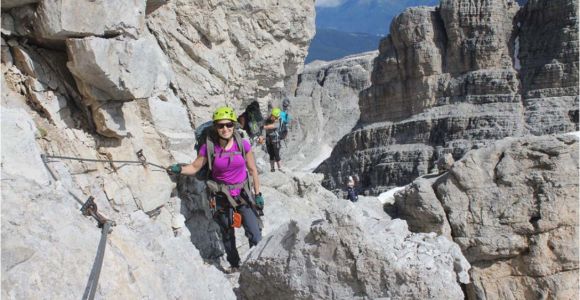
x=226 y=170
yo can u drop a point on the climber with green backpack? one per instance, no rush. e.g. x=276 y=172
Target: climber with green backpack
x=273 y=138
x=229 y=158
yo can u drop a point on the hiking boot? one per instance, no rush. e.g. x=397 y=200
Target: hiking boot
x=272 y=170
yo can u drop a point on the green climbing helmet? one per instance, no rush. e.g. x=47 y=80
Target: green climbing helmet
x=276 y=112
x=225 y=113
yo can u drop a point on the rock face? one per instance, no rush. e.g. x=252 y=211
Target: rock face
x=7 y=4
x=325 y=108
x=335 y=258
x=513 y=210
x=457 y=77
x=233 y=52
x=62 y=19
x=139 y=77
x=548 y=54
x=202 y=53
x=48 y=247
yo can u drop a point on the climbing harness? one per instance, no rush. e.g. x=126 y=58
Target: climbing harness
x=141 y=159
x=90 y=209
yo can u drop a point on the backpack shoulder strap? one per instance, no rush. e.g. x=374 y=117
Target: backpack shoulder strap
x=210 y=152
x=240 y=142
x=248 y=183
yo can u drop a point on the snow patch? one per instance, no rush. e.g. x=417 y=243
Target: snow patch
x=389 y=196
x=575 y=133
x=323 y=153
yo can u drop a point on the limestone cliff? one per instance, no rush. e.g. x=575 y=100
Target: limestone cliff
x=325 y=108
x=456 y=77
x=102 y=80
x=144 y=73
x=513 y=209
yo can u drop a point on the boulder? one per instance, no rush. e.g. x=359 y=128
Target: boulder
x=418 y=204
x=62 y=19
x=445 y=162
x=109 y=72
x=339 y=256
x=118 y=69
x=512 y=208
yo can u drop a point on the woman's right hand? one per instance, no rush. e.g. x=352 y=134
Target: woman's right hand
x=260 y=201
x=173 y=169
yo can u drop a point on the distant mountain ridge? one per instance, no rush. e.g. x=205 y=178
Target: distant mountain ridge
x=330 y=44
x=355 y=26
x=369 y=20
x=371 y=16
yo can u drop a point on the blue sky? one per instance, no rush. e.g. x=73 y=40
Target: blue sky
x=328 y=3
x=334 y=3
x=362 y=16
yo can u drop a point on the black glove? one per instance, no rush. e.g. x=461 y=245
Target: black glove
x=173 y=169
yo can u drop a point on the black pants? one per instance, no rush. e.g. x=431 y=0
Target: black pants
x=249 y=222
x=352 y=195
x=273 y=148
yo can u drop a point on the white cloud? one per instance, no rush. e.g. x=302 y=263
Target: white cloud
x=328 y=3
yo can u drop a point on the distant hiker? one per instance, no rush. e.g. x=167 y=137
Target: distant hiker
x=230 y=159
x=351 y=190
x=284 y=115
x=284 y=120
x=252 y=122
x=271 y=126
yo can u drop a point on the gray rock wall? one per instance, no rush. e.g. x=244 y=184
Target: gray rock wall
x=233 y=52
x=48 y=246
x=324 y=108
x=548 y=54
x=140 y=76
x=467 y=74
x=513 y=209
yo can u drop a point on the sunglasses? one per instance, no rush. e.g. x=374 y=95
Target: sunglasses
x=222 y=125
